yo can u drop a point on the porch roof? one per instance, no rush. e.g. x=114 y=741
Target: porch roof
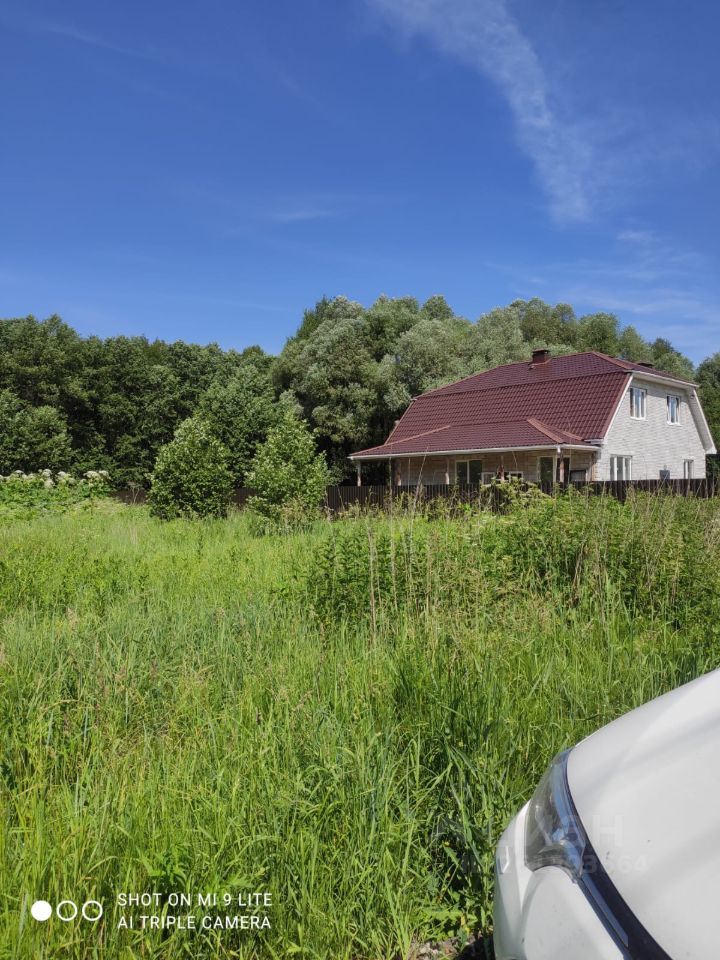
x=529 y=434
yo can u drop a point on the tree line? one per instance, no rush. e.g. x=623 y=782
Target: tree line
x=79 y=403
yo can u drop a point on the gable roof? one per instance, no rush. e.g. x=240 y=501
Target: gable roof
x=567 y=400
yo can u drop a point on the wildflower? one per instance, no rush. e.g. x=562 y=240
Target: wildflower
x=48 y=484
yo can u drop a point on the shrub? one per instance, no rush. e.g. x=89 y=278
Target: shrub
x=22 y=493
x=191 y=476
x=287 y=472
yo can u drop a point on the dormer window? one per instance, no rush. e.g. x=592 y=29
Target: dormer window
x=673 y=409
x=638 y=403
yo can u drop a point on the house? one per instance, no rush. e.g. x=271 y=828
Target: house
x=585 y=416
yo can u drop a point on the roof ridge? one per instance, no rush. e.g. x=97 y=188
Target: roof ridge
x=415 y=436
x=617 y=361
x=543 y=428
x=553 y=432
x=527 y=383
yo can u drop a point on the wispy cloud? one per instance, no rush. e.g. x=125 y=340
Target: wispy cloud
x=69 y=32
x=312 y=208
x=483 y=34
x=591 y=152
x=661 y=287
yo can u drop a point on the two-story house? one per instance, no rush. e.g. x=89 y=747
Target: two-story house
x=585 y=416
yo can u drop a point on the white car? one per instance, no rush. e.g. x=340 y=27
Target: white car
x=617 y=855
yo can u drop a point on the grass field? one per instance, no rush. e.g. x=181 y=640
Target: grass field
x=345 y=718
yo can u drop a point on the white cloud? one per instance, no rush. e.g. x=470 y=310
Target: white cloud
x=483 y=34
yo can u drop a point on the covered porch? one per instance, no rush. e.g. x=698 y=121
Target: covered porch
x=546 y=464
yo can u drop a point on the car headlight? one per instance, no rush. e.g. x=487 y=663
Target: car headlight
x=554 y=836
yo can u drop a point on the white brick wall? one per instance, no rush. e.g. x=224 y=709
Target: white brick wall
x=653 y=443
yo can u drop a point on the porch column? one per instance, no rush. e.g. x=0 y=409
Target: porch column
x=390 y=472
x=561 y=466
x=447 y=471
x=359 y=478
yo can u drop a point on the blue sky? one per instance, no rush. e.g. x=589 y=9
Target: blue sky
x=205 y=171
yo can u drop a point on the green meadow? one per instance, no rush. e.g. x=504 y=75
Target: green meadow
x=344 y=718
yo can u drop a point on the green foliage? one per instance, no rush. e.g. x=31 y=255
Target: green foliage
x=176 y=713
x=289 y=475
x=192 y=477
x=708 y=378
x=240 y=412
x=119 y=399
x=651 y=552
x=25 y=494
x=83 y=403
x=666 y=357
x=31 y=436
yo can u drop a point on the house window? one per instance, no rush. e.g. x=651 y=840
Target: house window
x=516 y=474
x=468 y=471
x=688 y=469
x=488 y=476
x=664 y=474
x=545 y=469
x=638 y=403
x=620 y=468
x=673 y=409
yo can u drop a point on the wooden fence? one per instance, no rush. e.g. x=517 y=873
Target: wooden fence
x=379 y=495
x=339 y=498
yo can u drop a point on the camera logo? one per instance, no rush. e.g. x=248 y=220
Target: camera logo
x=67 y=910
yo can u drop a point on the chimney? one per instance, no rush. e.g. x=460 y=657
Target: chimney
x=540 y=356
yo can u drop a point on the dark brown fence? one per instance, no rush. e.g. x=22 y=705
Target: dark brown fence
x=340 y=498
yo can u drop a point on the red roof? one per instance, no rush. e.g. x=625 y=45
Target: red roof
x=566 y=400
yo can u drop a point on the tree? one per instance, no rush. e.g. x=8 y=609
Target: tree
x=31 y=438
x=708 y=379
x=191 y=476
x=332 y=375
x=667 y=358
x=112 y=404
x=240 y=412
x=499 y=337
x=542 y=324
x=598 y=331
x=633 y=347
x=287 y=472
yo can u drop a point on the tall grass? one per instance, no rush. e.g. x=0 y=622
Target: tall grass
x=346 y=717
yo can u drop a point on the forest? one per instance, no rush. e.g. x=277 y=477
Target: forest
x=77 y=403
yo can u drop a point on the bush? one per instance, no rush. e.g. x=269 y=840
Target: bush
x=191 y=476
x=26 y=493
x=288 y=474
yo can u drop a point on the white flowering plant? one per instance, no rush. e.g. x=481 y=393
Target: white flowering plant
x=50 y=490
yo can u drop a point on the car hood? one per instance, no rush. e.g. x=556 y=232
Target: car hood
x=647 y=790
